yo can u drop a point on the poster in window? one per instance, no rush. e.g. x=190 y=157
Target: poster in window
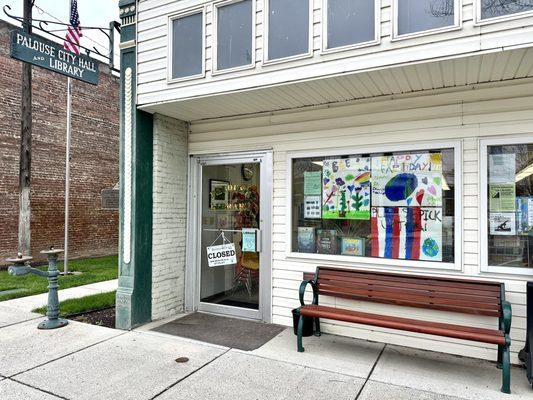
x=410 y=233
x=218 y=194
x=312 y=183
x=407 y=180
x=502 y=168
x=346 y=188
x=502 y=197
x=312 y=207
x=524 y=215
x=306 y=239
x=353 y=246
x=326 y=242
x=503 y=224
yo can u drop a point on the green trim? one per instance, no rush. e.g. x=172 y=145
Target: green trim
x=134 y=293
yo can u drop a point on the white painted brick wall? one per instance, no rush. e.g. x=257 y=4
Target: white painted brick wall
x=170 y=216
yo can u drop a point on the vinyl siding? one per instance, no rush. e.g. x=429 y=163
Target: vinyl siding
x=439 y=116
x=469 y=39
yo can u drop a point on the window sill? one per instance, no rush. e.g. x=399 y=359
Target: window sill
x=514 y=272
x=325 y=50
x=216 y=72
x=185 y=78
x=376 y=263
x=287 y=59
x=396 y=37
x=502 y=18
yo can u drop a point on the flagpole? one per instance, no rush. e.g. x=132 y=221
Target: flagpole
x=67 y=172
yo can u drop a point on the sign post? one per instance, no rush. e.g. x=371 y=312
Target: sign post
x=67 y=172
x=24 y=236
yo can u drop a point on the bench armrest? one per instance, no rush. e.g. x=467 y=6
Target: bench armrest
x=507 y=315
x=303 y=285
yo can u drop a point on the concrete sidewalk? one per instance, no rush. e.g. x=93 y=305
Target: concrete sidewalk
x=30 y=303
x=89 y=362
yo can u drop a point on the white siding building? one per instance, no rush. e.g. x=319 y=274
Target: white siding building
x=251 y=97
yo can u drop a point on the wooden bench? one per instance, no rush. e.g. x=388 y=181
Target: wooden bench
x=446 y=294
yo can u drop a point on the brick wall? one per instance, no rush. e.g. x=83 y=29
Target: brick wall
x=169 y=216
x=94 y=159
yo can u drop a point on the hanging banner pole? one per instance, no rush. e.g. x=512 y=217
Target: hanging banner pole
x=67 y=171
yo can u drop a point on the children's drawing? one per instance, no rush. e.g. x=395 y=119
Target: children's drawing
x=407 y=180
x=410 y=233
x=346 y=188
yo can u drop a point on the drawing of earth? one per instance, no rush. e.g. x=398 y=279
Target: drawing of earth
x=400 y=187
x=430 y=247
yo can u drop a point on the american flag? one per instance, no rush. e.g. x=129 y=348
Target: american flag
x=72 y=39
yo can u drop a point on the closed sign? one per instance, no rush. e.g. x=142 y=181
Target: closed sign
x=221 y=255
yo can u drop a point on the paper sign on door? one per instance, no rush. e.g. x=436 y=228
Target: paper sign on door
x=223 y=254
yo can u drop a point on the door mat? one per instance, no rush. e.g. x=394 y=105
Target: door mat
x=224 y=331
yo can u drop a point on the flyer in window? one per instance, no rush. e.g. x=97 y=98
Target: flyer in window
x=410 y=233
x=313 y=183
x=502 y=168
x=312 y=207
x=502 y=224
x=407 y=180
x=502 y=197
x=346 y=188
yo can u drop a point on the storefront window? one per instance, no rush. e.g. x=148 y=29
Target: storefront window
x=187 y=43
x=499 y=8
x=234 y=34
x=510 y=205
x=397 y=205
x=288 y=28
x=422 y=15
x=350 y=22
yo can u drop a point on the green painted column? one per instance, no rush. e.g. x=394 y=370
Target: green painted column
x=134 y=294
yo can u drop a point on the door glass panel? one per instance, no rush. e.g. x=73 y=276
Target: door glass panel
x=230 y=204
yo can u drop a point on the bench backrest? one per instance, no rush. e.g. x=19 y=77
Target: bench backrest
x=446 y=294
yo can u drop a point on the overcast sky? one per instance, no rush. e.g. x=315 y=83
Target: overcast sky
x=92 y=13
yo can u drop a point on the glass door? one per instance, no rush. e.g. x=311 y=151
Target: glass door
x=231 y=258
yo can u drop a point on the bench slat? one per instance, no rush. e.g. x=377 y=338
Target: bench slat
x=451 y=308
x=431 y=293
x=407 y=324
x=406 y=296
x=410 y=279
x=412 y=285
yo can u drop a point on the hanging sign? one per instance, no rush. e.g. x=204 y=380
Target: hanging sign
x=223 y=254
x=46 y=54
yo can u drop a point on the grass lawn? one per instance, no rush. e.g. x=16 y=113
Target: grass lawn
x=84 y=304
x=93 y=270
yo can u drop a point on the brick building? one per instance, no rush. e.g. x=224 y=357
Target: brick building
x=94 y=162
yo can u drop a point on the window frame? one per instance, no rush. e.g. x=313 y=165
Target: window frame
x=266 y=60
x=483 y=207
x=214 y=66
x=478 y=21
x=457 y=25
x=383 y=263
x=375 y=41
x=171 y=18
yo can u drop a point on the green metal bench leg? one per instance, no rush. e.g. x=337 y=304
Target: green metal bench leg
x=500 y=356
x=300 y=331
x=506 y=370
x=317 y=327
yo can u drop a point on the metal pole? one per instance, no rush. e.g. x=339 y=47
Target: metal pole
x=67 y=171
x=24 y=231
